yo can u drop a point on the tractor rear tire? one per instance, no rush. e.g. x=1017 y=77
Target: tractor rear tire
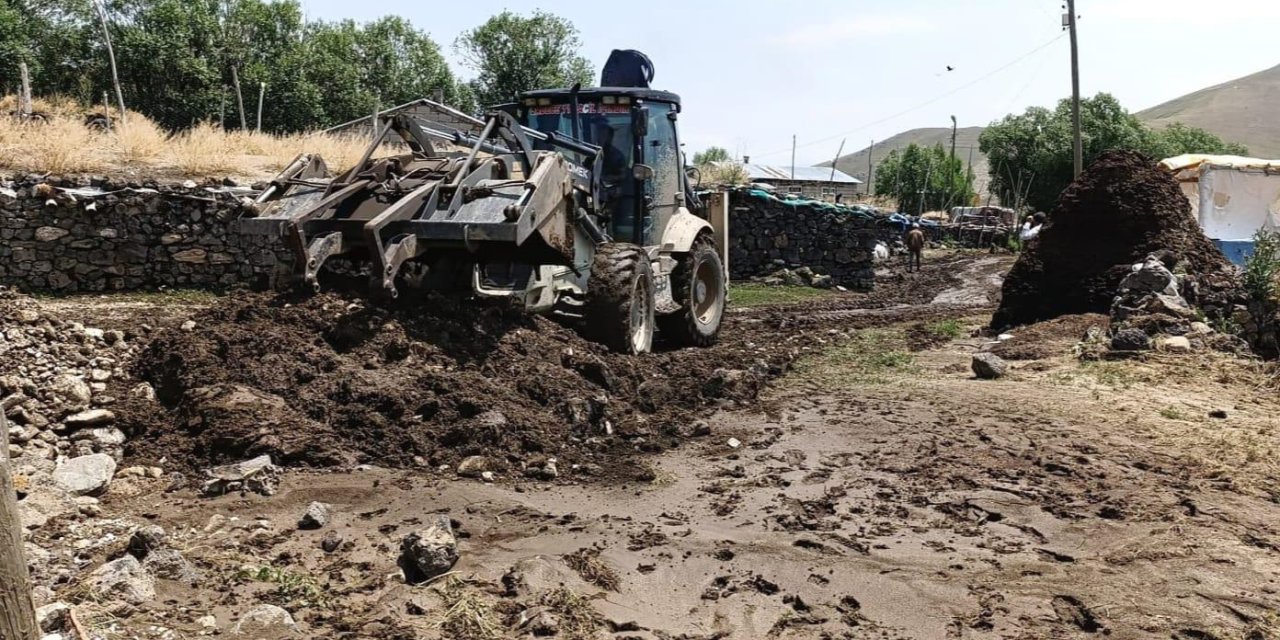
x=698 y=286
x=620 y=299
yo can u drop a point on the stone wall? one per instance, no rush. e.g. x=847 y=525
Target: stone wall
x=133 y=237
x=766 y=235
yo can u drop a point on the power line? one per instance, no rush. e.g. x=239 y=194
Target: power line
x=926 y=103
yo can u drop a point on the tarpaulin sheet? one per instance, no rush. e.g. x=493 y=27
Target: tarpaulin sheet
x=1235 y=204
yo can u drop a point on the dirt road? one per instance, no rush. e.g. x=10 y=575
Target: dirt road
x=875 y=491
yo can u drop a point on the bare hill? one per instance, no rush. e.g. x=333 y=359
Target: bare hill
x=855 y=164
x=1242 y=110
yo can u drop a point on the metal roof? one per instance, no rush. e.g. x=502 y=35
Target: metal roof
x=423 y=109
x=802 y=174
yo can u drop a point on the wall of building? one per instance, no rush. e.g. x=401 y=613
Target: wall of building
x=766 y=234
x=174 y=237
x=824 y=191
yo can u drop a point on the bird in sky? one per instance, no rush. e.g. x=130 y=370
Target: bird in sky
x=950 y=68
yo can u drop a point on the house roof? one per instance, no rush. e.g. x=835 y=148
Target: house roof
x=802 y=174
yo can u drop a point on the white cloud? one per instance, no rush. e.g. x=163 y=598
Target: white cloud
x=830 y=33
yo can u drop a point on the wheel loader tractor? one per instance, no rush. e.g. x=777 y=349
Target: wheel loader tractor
x=569 y=201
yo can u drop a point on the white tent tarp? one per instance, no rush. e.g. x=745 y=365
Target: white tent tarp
x=1232 y=197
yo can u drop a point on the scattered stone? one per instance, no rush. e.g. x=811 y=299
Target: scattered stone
x=429 y=552
x=1218 y=414
x=265 y=621
x=1130 y=340
x=1174 y=344
x=316 y=516
x=331 y=542
x=488 y=476
x=189 y=325
x=170 y=564
x=74 y=391
x=147 y=539
x=258 y=475
x=53 y=617
x=988 y=366
x=90 y=418
x=208 y=623
x=86 y=475
x=124 y=579
x=473 y=466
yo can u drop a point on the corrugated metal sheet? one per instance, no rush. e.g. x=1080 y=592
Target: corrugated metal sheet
x=424 y=110
x=803 y=174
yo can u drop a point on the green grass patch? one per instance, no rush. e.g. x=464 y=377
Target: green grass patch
x=871 y=356
x=754 y=294
x=948 y=329
x=1108 y=374
x=292 y=590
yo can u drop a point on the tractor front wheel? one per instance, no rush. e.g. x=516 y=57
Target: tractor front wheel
x=620 y=299
x=698 y=286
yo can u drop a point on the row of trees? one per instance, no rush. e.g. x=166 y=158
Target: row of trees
x=1031 y=153
x=924 y=179
x=186 y=61
x=1030 y=156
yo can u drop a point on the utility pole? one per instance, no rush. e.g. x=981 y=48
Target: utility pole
x=235 y=82
x=833 y=166
x=111 y=54
x=262 y=93
x=1077 y=142
x=793 y=156
x=871 y=151
x=951 y=175
x=17 y=612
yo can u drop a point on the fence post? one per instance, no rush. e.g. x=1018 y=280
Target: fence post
x=17 y=613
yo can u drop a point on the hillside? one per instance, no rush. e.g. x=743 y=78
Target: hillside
x=1242 y=110
x=855 y=164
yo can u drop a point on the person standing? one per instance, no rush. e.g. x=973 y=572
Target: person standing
x=915 y=247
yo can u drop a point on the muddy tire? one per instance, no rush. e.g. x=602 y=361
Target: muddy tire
x=619 y=311
x=698 y=286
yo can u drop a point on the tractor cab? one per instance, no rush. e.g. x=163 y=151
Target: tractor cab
x=641 y=165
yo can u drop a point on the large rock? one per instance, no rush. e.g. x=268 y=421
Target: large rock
x=1130 y=340
x=1174 y=344
x=429 y=552
x=89 y=419
x=989 y=366
x=258 y=475
x=265 y=621
x=1150 y=276
x=473 y=466
x=124 y=579
x=86 y=475
x=72 y=390
x=316 y=516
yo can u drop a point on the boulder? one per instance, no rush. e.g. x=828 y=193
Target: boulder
x=258 y=475
x=170 y=564
x=315 y=517
x=1130 y=340
x=474 y=466
x=988 y=366
x=429 y=552
x=72 y=390
x=1174 y=344
x=123 y=579
x=1150 y=276
x=86 y=475
x=53 y=617
x=265 y=621
x=147 y=539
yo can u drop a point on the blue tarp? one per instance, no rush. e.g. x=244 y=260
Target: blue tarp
x=1237 y=251
x=816 y=204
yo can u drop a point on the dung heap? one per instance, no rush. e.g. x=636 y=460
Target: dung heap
x=1121 y=209
x=331 y=380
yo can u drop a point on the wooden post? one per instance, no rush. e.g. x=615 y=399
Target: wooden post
x=24 y=92
x=235 y=82
x=1077 y=143
x=17 y=613
x=111 y=54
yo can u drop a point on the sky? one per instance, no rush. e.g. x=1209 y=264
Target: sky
x=754 y=73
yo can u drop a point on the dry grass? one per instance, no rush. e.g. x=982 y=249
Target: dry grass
x=467 y=615
x=139 y=146
x=587 y=563
x=578 y=618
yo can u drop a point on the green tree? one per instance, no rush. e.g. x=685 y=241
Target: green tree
x=1031 y=154
x=712 y=154
x=56 y=41
x=1177 y=139
x=924 y=179
x=511 y=54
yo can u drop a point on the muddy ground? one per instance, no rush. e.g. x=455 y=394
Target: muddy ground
x=877 y=490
